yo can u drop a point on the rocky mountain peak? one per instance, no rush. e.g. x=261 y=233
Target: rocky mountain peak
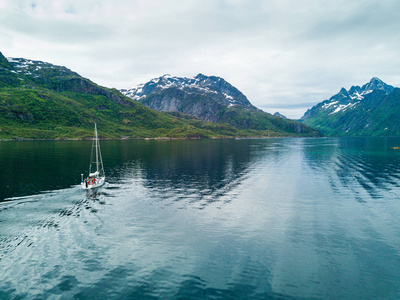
x=343 y=91
x=214 y=87
x=212 y=99
x=278 y=114
x=376 y=84
x=355 y=89
x=4 y=62
x=358 y=103
x=357 y=93
x=348 y=99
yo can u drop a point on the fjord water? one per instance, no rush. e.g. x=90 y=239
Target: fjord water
x=292 y=218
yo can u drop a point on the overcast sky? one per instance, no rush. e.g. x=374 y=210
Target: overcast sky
x=284 y=55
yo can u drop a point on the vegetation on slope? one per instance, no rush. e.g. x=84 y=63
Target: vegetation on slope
x=376 y=115
x=45 y=114
x=251 y=119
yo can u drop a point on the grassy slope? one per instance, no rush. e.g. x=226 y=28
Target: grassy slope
x=257 y=120
x=45 y=114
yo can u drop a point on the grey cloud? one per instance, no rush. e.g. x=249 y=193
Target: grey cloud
x=279 y=53
x=56 y=31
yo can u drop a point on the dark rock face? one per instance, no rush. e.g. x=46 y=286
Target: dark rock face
x=201 y=96
x=193 y=103
x=4 y=62
x=212 y=99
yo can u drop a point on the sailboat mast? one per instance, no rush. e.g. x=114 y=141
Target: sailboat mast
x=97 y=147
x=96 y=178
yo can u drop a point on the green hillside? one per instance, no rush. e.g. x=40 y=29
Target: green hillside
x=376 y=115
x=45 y=114
x=255 y=119
x=370 y=110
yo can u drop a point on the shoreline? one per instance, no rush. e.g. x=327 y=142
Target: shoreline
x=152 y=138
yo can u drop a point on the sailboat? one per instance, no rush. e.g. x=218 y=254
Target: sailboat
x=96 y=178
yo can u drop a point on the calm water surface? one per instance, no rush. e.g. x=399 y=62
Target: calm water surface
x=212 y=219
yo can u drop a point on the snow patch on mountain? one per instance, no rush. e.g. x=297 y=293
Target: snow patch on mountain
x=29 y=67
x=358 y=96
x=327 y=105
x=348 y=99
x=343 y=107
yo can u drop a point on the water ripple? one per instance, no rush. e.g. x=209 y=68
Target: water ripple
x=246 y=219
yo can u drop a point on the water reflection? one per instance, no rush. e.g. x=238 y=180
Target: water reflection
x=232 y=219
x=366 y=167
x=198 y=172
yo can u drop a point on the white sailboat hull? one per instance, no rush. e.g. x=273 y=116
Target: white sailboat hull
x=98 y=183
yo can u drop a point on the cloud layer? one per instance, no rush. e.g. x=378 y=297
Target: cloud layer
x=284 y=55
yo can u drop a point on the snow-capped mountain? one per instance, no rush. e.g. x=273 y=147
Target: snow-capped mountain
x=35 y=68
x=353 y=111
x=348 y=99
x=58 y=78
x=215 y=87
x=211 y=99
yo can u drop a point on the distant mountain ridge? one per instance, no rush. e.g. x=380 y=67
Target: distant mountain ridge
x=39 y=100
x=360 y=111
x=211 y=99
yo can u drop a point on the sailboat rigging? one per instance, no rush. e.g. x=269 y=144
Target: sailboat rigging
x=96 y=178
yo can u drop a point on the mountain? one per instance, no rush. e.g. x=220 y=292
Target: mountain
x=39 y=100
x=212 y=99
x=202 y=86
x=278 y=114
x=370 y=110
